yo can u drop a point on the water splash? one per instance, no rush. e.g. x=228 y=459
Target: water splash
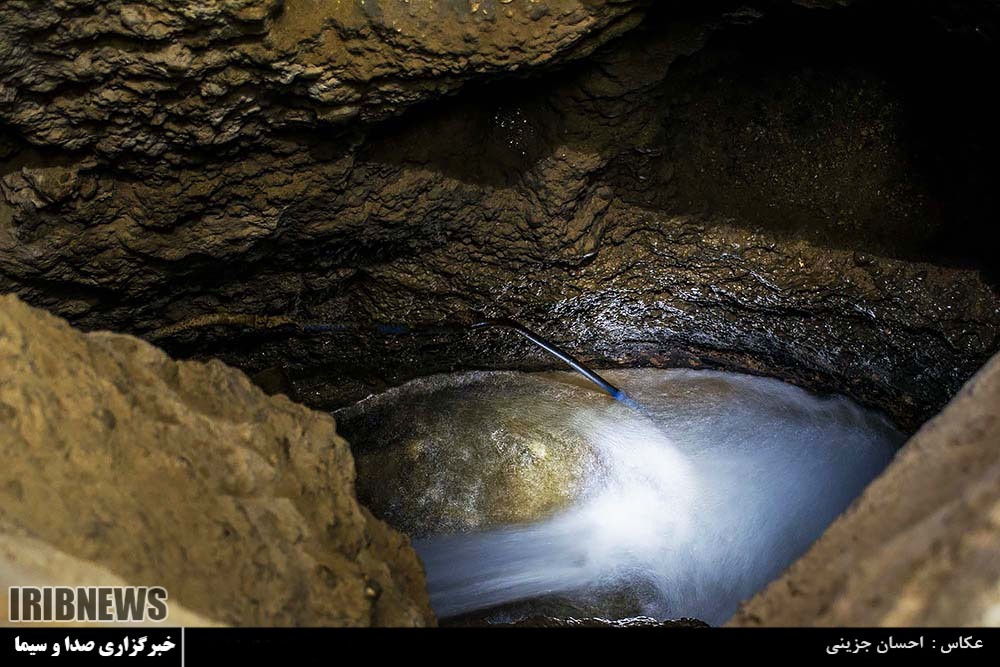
x=683 y=509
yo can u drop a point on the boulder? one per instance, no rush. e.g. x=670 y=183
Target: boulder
x=187 y=476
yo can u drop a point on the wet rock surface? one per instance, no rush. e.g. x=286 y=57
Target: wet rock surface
x=464 y=458
x=164 y=79
x=187 y=476
x=920 y=546
x=536 y=494
x=714 y=185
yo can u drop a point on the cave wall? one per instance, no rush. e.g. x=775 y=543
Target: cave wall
x=703 y=184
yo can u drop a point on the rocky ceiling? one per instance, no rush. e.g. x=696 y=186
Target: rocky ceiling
x=763 y=186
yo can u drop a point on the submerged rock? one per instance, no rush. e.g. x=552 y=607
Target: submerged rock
x=454 y=454
x=185 y=475
x=531 y=487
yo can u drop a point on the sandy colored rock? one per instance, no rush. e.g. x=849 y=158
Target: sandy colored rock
x=29 y=562
x=442 y=455
x=921 y=546
x=186 y=475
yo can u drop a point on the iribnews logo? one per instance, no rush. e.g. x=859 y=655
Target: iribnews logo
x=87 y=604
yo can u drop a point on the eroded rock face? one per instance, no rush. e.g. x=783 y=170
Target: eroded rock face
x=186 y=475
x=920 y=546
x=721 y=186
x=162 y=78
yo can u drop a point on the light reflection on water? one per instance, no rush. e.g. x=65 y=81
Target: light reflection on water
x=521 y=485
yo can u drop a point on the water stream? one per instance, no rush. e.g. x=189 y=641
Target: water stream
x=523 y=486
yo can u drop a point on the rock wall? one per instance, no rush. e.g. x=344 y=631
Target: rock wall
x=187 y=476
x=164 y=79
x=920 y=546
x=715 y=184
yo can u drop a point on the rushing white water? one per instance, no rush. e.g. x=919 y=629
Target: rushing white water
x=688 y=505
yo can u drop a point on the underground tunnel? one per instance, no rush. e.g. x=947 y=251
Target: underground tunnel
x=768 y=223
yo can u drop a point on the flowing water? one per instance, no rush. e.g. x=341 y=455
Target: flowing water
x=531 y=486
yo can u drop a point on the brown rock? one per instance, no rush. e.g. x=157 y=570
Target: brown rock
x=162 y=77
x=186 y=475
x=706 y=191
x=921 y=546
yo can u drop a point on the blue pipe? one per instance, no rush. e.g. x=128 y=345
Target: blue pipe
x=400 y=329
x=605 y=386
